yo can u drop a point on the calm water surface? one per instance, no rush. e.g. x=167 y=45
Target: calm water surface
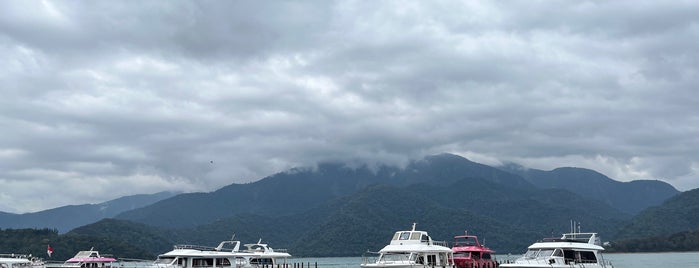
x=619 y=260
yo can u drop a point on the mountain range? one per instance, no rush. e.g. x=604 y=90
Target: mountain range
x=66 y=218
x=630 y=197
x=340 y=210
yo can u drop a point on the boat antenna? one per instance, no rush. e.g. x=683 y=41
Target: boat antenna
x=259 y=241
x=579 y=228
x=233 y=237
x=414 y=223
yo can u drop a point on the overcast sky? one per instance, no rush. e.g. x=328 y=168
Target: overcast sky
x=101 y=99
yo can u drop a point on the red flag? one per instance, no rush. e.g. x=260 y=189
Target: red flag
x=49 y=250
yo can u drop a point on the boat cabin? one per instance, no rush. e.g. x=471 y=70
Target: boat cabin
x=411 y=249
x=19 y=261
x=571 y=248
x=189 y=256
x=411 y=237
x=468 y=252
x=89 y=259
x=562 y=255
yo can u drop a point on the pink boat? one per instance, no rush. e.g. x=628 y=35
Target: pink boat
x=89 y=259
x=468 y=253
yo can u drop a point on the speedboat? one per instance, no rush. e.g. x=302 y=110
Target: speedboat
x=411 y=249
x=20 y=261
x=89 y=259
x=226 y=254
x=571 y=250
x=469 y=253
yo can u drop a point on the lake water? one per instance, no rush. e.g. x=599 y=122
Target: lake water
x=619 y=260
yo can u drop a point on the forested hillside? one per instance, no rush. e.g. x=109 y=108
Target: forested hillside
x=366 y=220
x=628 y=197
x=677 y=214
x=683 y=241
x=36 y=241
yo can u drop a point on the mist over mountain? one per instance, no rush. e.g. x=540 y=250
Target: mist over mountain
x=308 y=210
x=310 y=187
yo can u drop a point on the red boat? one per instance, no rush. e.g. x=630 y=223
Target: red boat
x=468 y=253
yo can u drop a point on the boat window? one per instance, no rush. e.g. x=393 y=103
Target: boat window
x=389 y=257
x=568 y=255
x=462 y=254
x=545 y=253
x=558 y=253
x=165 y=260
x=405 y=236
x=415 y=236
x=425 y=238
x=396 y=235
x=465 y=241
x=262 y=261
x=486 y=256
x=431 y=259
x=588 y=257
x=531 y=253
x=475 y=255
x=240 y=261
x=202 y=262
x=223 y=262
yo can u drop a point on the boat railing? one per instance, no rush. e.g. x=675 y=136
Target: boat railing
x=17 y=256
x=439 y=243
x=195 y=247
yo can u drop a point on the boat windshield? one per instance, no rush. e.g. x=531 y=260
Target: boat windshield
x=464 y=242
x=462 y=254
x=538 y=253
x=165 y=260
x=388 y=257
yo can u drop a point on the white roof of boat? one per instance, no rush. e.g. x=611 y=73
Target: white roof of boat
x=14 y=260
x=565 y=245
x=414 y=248
x=213 y=253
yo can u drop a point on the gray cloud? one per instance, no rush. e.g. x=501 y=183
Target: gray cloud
x=103 y=99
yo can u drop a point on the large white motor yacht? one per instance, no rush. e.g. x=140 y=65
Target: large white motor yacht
x=226 y=255
x=571 y=250
x=411 y=249
x=20 y=261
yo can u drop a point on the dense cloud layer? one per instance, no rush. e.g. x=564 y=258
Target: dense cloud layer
x=102 y=99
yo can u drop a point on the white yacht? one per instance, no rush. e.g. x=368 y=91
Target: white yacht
x=571 y=250
x=226 y=255
x=411 y=249
x=20 y=261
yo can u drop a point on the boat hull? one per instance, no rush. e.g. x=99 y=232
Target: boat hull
x=401 y=265
x=540 y=265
